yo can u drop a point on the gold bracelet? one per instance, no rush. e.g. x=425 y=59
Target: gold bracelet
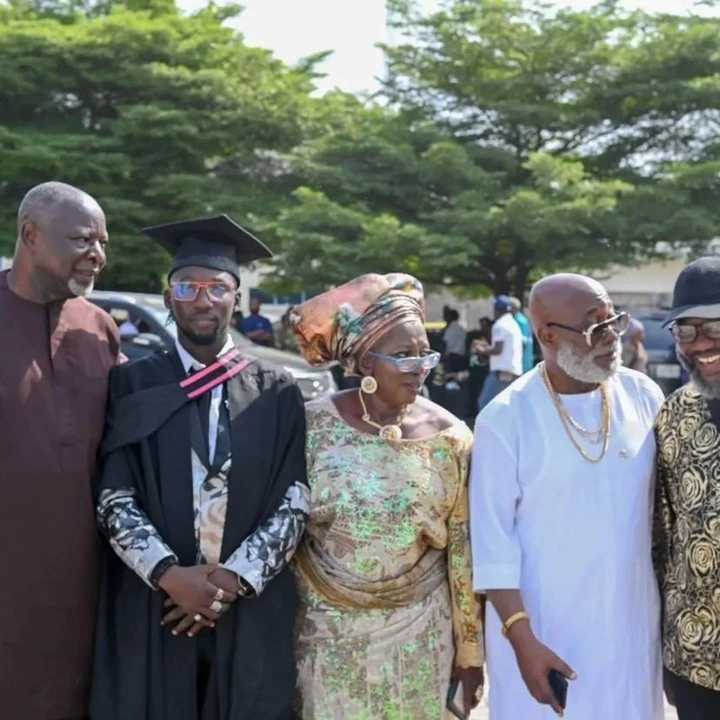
x=512 y=620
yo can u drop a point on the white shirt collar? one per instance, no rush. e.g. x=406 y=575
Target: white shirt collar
x=190 y=363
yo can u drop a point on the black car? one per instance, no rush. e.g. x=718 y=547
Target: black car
x=144 y=328
x=663 y=365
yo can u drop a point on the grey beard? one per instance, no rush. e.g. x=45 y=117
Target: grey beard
x=582 y=367
x=79 y=290
x=709 y=390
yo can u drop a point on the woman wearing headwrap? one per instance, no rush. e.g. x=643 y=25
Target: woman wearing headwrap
x=388 y=618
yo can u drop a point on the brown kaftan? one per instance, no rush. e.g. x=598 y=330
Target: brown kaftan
x=54 y=365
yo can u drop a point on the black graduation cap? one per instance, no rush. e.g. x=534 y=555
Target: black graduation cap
x=215 y=242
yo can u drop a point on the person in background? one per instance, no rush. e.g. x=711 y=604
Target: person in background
x=561 y=513
x=687 y=499
x=202 y=496
x=504 y=353
x=486 y=326
x=58 y=350
x=388 y=615
x=236 y=321
x=454 y=337
x=527 y=334
x=478 y=365
x=454 y=363
x=634 y=355
x=257 y=327
x=128 y=329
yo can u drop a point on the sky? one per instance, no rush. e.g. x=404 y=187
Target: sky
x=294 y=29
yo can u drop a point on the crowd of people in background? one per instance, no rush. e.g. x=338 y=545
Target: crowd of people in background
x=478 y=364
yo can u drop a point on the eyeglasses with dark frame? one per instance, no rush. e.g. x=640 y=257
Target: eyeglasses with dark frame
x=597 y=332
x=188 y=290
x=688 y=333
x=410 y=364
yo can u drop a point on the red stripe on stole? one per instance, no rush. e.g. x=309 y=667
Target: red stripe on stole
x=220 y=363
x=232 y=372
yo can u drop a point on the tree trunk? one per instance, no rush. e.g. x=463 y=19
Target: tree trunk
x=521 y=282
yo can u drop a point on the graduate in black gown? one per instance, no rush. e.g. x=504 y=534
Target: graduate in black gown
x=202 y=494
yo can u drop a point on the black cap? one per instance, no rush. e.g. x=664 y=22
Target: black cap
x=697 y=291
x=215 y=242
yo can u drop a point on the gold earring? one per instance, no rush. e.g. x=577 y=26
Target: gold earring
x=369 y=385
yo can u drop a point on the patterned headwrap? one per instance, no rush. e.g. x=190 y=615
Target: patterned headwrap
x=341 y=325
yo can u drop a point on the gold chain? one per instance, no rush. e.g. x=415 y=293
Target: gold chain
x=579 y=427
x=594 y=437
x=604 y=430
x=387 y=432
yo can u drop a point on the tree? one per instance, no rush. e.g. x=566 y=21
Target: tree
x=518 y=140
x=160 y=116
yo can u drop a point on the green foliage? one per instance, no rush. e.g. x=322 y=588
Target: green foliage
x=159 y=115
x=518 y=140
x=510 y=139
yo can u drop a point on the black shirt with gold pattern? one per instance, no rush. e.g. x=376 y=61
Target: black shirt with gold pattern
x=686 y=542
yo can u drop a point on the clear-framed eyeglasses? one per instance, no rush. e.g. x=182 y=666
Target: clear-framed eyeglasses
x=414 y=364
x=188 y=290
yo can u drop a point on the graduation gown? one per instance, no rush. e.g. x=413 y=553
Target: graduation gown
x=143 y=672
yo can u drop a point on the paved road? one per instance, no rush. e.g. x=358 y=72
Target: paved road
x=482 y=713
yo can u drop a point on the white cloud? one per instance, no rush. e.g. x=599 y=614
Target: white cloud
x=294 y=29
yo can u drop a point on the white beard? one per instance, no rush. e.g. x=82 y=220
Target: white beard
x=582 y=366
x=79 y=290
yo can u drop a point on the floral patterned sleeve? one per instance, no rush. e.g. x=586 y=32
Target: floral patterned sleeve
x=467 y=609
x=131 y=534
x=269 y=549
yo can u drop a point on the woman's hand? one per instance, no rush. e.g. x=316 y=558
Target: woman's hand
x=472 y=680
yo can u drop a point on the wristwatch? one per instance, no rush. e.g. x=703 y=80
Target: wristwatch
x=245 y=589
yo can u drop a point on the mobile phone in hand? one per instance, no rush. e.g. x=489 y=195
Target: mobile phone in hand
x=559 y=686
x=455 y=703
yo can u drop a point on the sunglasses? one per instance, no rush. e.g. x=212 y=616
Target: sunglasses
x=689 y=333
x=188 y=291
x=410 y=364
x=597 y=334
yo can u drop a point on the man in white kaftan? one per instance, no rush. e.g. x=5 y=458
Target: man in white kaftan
x=561 y=536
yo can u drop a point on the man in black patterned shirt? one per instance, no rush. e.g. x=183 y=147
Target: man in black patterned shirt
x=686 y=545
x=202 y=495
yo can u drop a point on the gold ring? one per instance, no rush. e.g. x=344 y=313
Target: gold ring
x=198 y=617
x=216 y=606
x=219 y=595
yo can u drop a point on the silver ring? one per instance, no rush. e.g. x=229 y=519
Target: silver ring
x=219 y=595
x=216 y=606
x=198 y=617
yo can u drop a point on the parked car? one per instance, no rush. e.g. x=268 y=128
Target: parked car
x=149 y=331
x=663 y=365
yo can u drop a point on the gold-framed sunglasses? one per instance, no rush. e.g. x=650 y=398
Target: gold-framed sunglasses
x=597 y=333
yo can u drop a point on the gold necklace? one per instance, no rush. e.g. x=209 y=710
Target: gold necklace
x=579 y=427
x=605 y=427
x=391 y=432
x=594 y=437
